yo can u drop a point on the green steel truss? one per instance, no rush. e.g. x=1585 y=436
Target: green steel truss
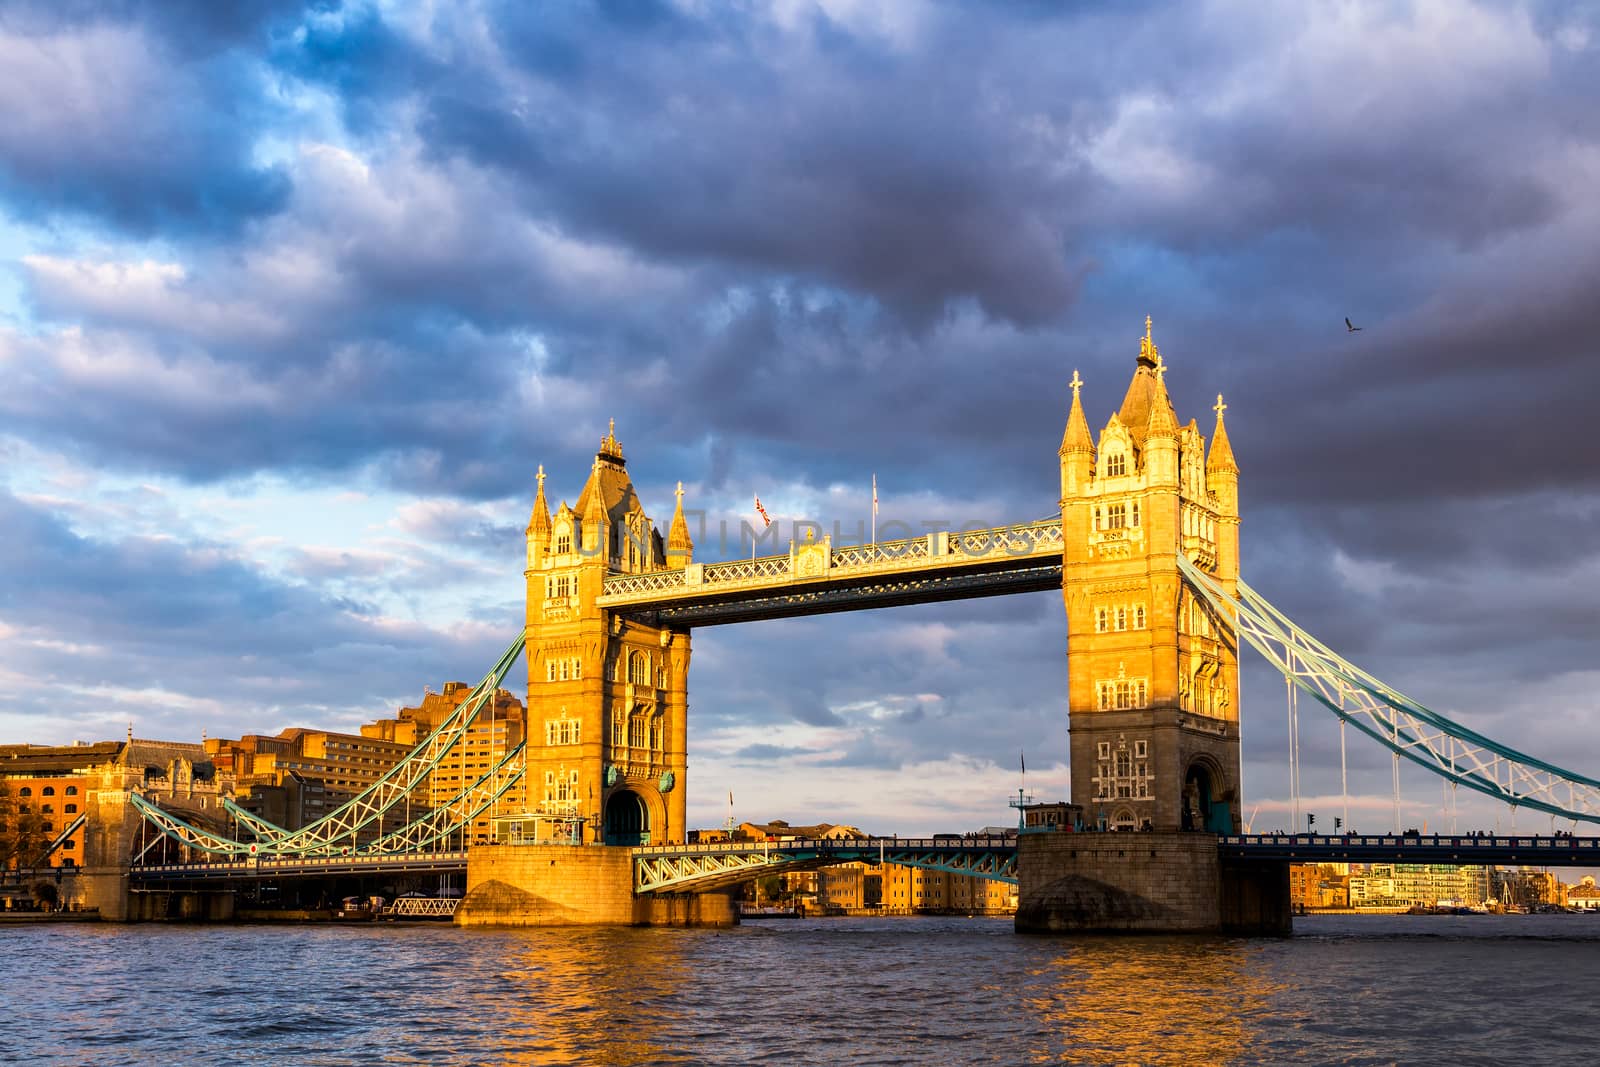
x=705 y=868
x=1445 y=747
x=351 y=828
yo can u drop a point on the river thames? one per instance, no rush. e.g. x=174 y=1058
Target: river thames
x=1347 y=990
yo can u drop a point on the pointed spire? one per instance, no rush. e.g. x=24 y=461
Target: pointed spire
x=1221 y=457
x=539 y=522
x=608 y=444
x=1147 y=347
x=1163 y=420
x=594 y=508
x=1077 y=437
x=680 y=548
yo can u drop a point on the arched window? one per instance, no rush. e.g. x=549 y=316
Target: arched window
x=563 y=544
x=72 y=790
x=639 y=668
x=48 y=791
x=1138 y=617
x=1135 y=513
x=72 y=809
x=1116 y=464
x=25 y=792
x=48 y=809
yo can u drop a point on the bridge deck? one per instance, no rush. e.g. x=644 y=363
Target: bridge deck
x=1532 y=850
x=816 y=577
x=703 y=868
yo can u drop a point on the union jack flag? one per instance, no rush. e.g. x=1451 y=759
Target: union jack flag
x=765 y=518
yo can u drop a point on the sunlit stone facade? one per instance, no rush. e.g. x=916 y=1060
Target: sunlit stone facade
x=607 y=696
x=1153 y=683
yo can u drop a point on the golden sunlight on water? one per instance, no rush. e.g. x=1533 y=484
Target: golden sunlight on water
x=1149 y=1001
x=579 y=994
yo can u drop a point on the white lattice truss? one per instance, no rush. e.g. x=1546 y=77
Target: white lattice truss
x=350 y=828
x=936 y=550
x=704 y=868
x=423 y=908
x=1426 y=738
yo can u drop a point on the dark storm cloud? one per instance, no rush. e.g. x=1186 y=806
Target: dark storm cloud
x=108 y=120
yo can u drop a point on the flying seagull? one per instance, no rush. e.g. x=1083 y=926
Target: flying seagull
x=1349 y=328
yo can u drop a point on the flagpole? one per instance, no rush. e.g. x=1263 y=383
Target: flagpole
x=874 y=508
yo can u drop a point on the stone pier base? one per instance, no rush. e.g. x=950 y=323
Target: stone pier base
x=574 y=885
x=1144 y=883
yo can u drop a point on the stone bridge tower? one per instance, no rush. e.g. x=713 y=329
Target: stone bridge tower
x=607 y=697
x=1153 y=677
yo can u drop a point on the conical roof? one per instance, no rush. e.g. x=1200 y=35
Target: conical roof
x=1077 y=437
x=1163 y=420
x=609 y=486
x=1221 y=457
x=678 y=542
x=1136 y=404
x=539 y=521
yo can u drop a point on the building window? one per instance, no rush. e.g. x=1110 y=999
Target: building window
x=1138 y=616
x=1116 y=464
x=1097 y=518
x=1121 y=694
x=25 y=792
x=639 y=668
x=72 y=809
x=1122 y=618
x=1100 y=620
x=1103 y=751
x=1141 y=749
x=48 y=791
x=47 y=809
x=1135 y=513
x=563 y=544
x=1116 y=516
x=72 y=790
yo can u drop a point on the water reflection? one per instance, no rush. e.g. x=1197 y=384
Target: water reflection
x=1148 y=1000
x=592 y=996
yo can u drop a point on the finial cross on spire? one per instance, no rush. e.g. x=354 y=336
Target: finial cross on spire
x=680 y=494
x=1147 y=327
x=1220 y=407
x=1076 y=383
x=541 y=477
x=1161 y=367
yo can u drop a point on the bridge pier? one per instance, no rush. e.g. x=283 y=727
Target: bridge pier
x=1145 y=883
x=574 y=885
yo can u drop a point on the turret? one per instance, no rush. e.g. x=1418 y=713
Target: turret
x=539 y=525
x=1222 y=480
x=1077 y=448
x=1161 y=434
x=680 y=549
x=596 y=523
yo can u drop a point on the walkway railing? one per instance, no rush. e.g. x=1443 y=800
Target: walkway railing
x=811 y=562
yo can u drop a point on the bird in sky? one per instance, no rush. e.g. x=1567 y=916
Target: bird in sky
x=1349 y=328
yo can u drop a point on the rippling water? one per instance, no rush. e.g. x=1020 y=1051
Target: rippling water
x=1379 y=990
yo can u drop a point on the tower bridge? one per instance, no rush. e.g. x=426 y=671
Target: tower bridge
x=1145 y=551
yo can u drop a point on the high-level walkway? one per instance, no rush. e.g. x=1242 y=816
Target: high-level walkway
x=816 y=577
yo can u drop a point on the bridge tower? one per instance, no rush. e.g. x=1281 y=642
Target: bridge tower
x=1153 y=685
x=607 y=696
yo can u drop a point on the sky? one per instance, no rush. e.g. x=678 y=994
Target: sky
x=295 y=300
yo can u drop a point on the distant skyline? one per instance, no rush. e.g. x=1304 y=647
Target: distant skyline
x=295 y=299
